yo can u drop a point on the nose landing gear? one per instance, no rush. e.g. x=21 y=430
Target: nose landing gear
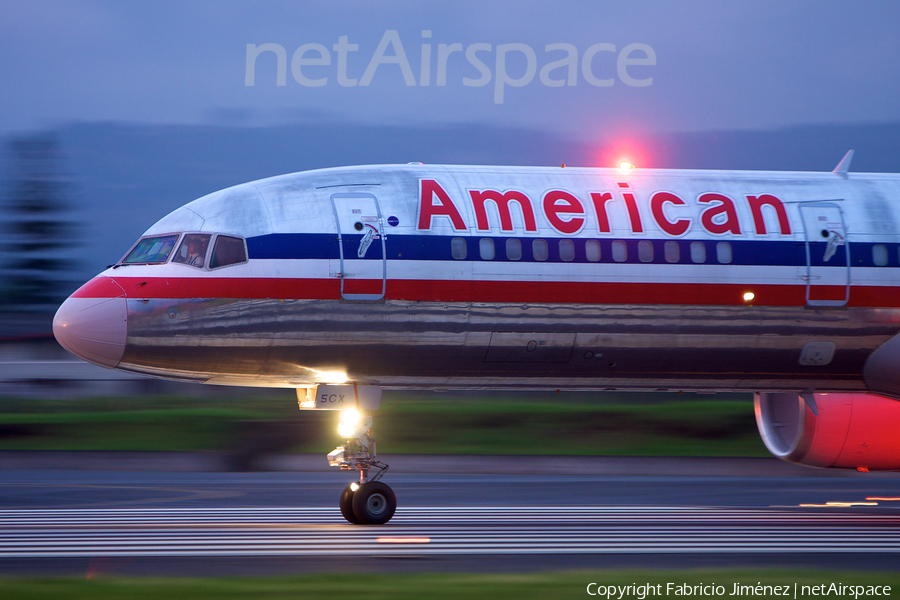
x=370 y=501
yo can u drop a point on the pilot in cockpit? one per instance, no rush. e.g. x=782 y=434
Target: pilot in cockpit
x=193 y=250
x=194 y=257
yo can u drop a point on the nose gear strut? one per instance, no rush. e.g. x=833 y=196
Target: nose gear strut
x=358 y=455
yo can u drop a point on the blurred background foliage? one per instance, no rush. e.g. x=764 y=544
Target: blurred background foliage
x=257 y=424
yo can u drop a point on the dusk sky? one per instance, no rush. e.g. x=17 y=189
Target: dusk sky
x=718 y=65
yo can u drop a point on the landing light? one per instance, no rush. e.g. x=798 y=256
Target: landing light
x=625 y=166
x=354 y=486
x=748 y=296
x=332 y=377
x=350 y=416
x=351 y=424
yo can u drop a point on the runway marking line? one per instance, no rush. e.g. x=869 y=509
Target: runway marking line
x=838 y=504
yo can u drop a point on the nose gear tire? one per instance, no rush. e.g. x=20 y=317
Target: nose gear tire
x=373 y=503
x=346 y=505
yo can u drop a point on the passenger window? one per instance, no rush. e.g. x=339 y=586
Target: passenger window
x=723 y=252
x=672 y=251
x=698 y=252
x=192 y=250
x=486 y=248
x=879 y=255
x=619 y=251
x=539 y=249
x=458 y=248
x=592 y=250
x=567 y=250
x=513 y=249
x=228 y=251
x=645 y=251
x=154 y=249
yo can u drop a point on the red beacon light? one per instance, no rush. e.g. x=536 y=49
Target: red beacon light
x=625 y=166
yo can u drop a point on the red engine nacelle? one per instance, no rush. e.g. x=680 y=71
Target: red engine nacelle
x=851 y=431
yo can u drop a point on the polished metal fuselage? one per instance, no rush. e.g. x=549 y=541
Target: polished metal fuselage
x=431 y=345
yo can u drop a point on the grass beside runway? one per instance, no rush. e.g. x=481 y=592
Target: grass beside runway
x=556 y=584
x=637 y=424
x=610 y=424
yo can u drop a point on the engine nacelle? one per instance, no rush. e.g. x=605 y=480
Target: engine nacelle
x=851 y=431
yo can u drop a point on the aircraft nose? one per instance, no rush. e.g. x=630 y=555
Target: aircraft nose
x=92 y=323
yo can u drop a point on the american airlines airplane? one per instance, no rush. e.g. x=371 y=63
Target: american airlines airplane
x=342 y=282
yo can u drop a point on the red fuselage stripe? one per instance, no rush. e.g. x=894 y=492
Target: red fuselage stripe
x=713 y=294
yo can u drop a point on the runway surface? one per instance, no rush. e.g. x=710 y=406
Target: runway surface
x=438 y=530
x=254 y=523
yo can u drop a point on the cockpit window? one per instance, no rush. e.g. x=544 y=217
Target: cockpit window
x=228 y=251
x=192 y=250
x=155 y=249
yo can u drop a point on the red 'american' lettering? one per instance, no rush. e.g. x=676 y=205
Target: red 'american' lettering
x=559 y=204
x=565 y=212
x=657 y=207
x=724 y=207
x=429 y=189
x=502 y=203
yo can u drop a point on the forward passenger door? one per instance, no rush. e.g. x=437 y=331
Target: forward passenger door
x=362 y=246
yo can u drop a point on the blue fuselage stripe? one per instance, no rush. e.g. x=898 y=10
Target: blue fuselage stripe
x=438 y=248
